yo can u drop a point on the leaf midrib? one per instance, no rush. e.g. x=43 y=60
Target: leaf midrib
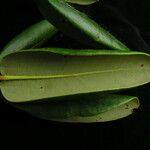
x=24 y=77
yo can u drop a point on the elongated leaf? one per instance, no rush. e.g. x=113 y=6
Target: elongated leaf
x=77 y=25
x=83 y=108
x=82 y=2
x=32 y=37
x=53 y=72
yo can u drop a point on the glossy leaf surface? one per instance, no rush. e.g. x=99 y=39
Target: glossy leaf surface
x=31 y=37
x=77 y=25
x=84 y=108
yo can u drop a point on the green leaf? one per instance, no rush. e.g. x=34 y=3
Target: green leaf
x=53 y=72
x=82 y=2
x=83 y=108
x=77 y=25
x=32 y=37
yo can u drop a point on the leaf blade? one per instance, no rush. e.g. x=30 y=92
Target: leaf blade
x=84 y=108
x=70 y=21
x=31 y=37
x=52 y=64
x=82 y=2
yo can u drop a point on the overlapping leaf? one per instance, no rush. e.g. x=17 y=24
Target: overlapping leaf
x=32 y=37
x=81 y=2
x=77 y=25
x=83 y=108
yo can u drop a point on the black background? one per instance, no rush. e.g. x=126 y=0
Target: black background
x=19 y=128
